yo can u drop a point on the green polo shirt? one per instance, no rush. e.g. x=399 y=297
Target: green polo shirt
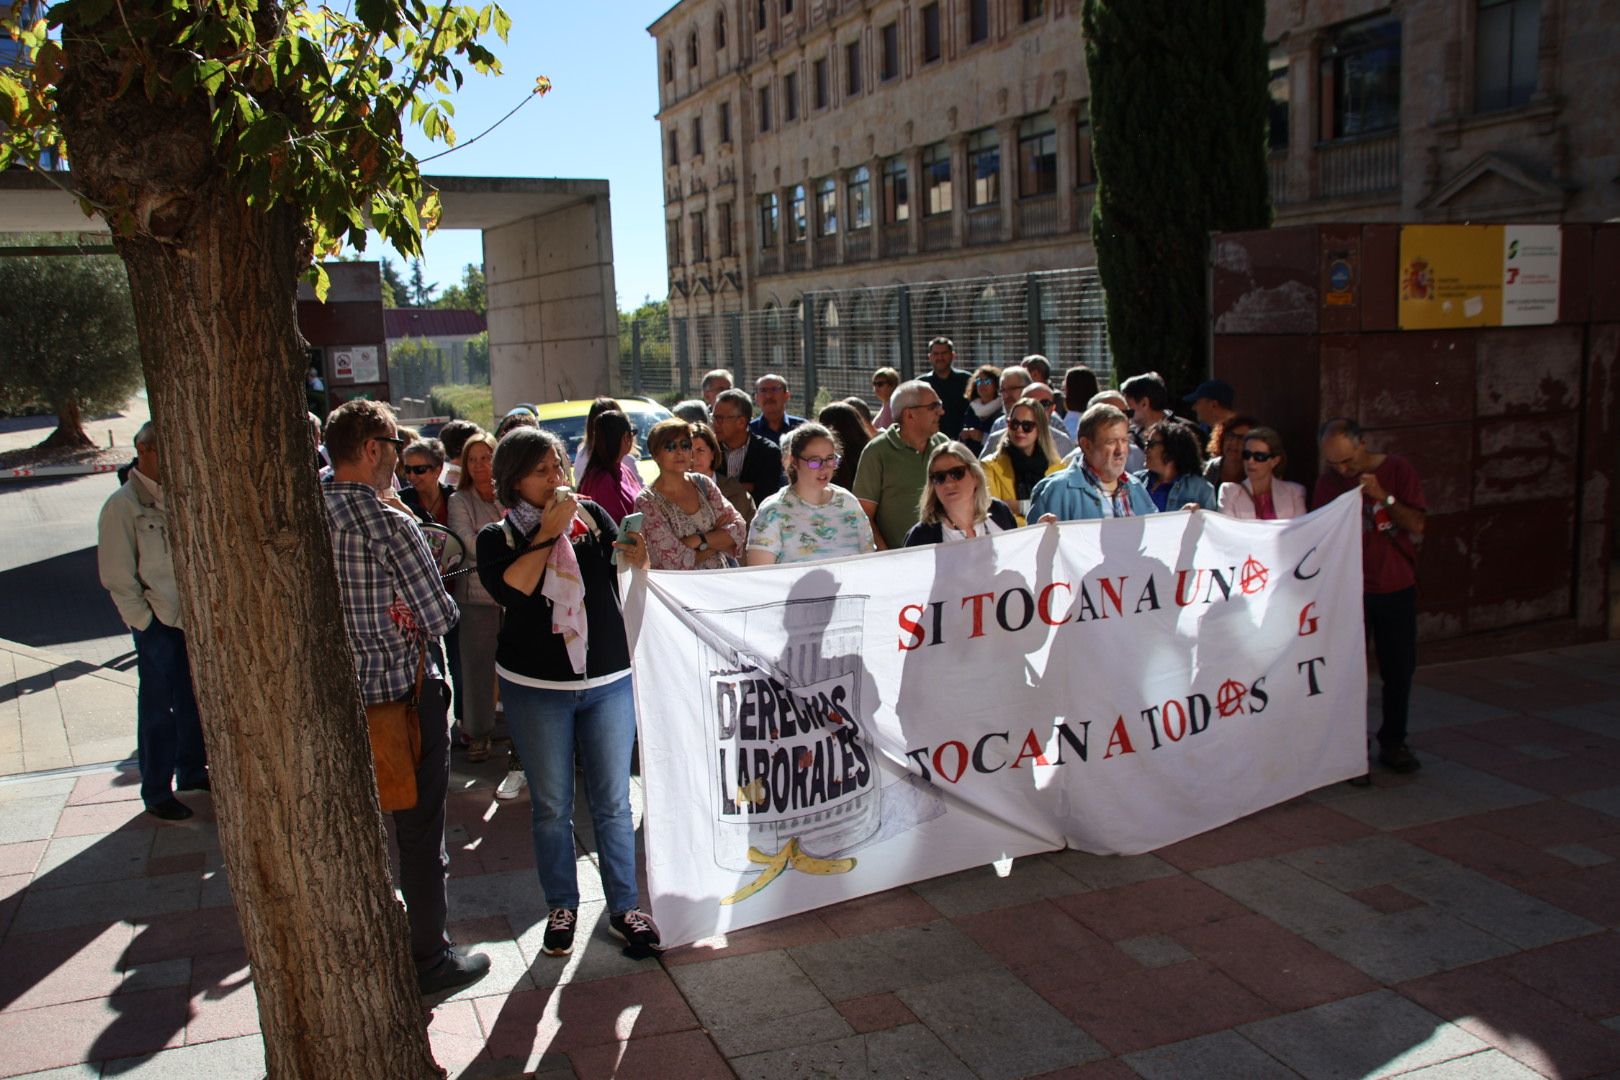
x=892 y=475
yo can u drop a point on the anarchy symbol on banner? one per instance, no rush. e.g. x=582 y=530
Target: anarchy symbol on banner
x=1229 y=698
x=790 y=857
x=1253 y=577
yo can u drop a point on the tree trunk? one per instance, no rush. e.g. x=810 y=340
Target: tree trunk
x=213 y=283
x=69 y=433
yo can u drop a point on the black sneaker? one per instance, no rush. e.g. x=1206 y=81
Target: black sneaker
x=559 y=940
x=455 y=970
x=638 y=929
x=1399 y=759
x=171 y=809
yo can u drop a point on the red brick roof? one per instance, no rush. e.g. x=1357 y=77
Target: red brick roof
x=432 y=322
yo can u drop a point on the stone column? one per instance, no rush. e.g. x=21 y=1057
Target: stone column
x=914 y=198
x=1066 y=115
x=1007 y=135
x=959 y=190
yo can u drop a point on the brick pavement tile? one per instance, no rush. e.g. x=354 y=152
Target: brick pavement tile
x=21 y=858
x=1592 y=893
x=1238 y=841
x=85 y=905
x=111 y=785
x=13 y=886
x=1548 y=822
x=998 y=1026
x=1485 y=1065
x=1580 y=855
x=1498 y=909
x=99 y=818
x=1108 y=871
x=82 y=860
x=1225 y=1055
x=1579 y=974
x=911 y=1050
x=1408 y=944
x=225 y=1059
x=750 y=1004
x=779 y=934
x=29 y=819
x=890 y=959
x=1363 y=863
x=1111 y=1069
x=455 y=1036
x=1149 y=907
x=880 y=911
x=1042 y=935
x=1567 y=776
x=1151 y=1007
x=605 y=1011
x=1281 y=967
x=1285 y=895
x=982 y=889
x=185 y=934
x=1374 y=1034
x=1522 y=1023
x=1466 y=843
x=686 y=1055
x=1386 y=899
x=1604 y=800
x=1517 y=730
x=875 y=1012
x=81 y=1031
x=1461 y=746
x=1444 y=790
x=222 y=997
x=192 y=862
x=156 y=974
x=1154 y=950
x=79 y=964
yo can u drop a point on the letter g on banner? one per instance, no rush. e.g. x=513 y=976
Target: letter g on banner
x=1307 y=621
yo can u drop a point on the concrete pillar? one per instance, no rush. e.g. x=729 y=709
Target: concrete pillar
x=1066 y=115
x=553 y=324
x=959 y=190
x=1007 y=135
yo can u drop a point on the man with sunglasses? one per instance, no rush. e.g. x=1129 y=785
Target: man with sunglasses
x=950 y=383
x=394 y=601
x=893 y=469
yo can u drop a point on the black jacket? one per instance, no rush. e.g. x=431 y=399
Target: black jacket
x=761 y=467
x=527 y=645
x=413 y=502
x=921 y=534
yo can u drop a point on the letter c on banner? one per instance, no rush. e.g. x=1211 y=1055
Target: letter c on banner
x=1300 y=566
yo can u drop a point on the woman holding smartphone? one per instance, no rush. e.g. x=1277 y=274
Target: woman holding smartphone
x=564 y=671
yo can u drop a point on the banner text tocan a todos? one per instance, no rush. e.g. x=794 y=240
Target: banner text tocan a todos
x=816 y=732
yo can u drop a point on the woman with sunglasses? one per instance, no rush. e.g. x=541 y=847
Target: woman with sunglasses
x=1262 y=495
x=471 y=508
x=1175 y=465
x=688 y=523
x=811 y=518
x=956 y=502
x=426 y=494
x=1027 y=455
x=984 y=405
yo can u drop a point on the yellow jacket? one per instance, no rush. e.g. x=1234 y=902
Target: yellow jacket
x=998 y=471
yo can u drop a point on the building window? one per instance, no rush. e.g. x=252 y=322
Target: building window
x=727 y=248
x=790 y=97
x=852 y=68
x=936 y=168
x=890 y=66
x=930 y=33
x=978 y=21
x=1361 y=79
x=700 y=247
x=787 y=7
x=674 y=147
x=719 y=29
x=860 y=198
x=896 y=194
x=1277 y=114
x=1032 y=9
x=984 y=167
x=692 y=50
x=1085 y=171
x=827 y=207
x=1037 y=156
x=669 y=63
x=1506 y=39
x=761 y=16
x=725 y=123
x=764 y=108
x=819 y=80
x=798 y=226
x=769 y=220
x=697 y=136
x=672 y=234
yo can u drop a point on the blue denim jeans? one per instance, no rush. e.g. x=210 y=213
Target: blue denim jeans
x=546 y=727
x=168 y=732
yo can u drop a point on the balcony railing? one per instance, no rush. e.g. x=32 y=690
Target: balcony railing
x=858 y=245
x=826 y=250
x=1359 y=166
x=1038 y=216
x=794 y=256
x=770 y=260
x=1277 y=171
x=896 y=240
x=936 y=232
x=984 y=225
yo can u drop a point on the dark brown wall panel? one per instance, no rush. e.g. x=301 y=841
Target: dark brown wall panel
x=1528 y=370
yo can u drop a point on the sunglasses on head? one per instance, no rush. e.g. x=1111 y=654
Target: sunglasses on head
x=678 y=444
x=943 y=475
x=1261 y=456
x=828 y=462
x=420 y=470
x=1021 y=425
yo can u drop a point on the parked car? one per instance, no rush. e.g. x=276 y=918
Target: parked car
x=566 y=420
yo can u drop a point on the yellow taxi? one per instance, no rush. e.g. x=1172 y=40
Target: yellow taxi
x=566 y=420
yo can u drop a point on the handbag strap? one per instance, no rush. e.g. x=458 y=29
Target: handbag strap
x=421 y=673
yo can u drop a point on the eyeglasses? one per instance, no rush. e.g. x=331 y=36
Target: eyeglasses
x=1262 y=456
x=678 y=445
x=818 y=463
x=421 y=470
x=1021 y=425
x=934 y=405
x=399 y=444
x=952 y=474
x=984 y=380
x=726 y=417
x=1043 y=402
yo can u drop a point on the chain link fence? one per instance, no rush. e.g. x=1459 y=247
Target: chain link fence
x=833 y=340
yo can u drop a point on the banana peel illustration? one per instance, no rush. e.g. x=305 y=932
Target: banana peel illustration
x=791 y=856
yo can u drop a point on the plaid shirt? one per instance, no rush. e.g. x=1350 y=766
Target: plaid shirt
x=1119 y=503
x=392 y=592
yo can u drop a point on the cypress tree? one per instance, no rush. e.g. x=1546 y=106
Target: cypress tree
x=1179 y=122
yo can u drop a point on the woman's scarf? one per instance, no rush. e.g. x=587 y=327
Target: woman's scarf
x=1028 y=469
x=562 y=585
x=986 y=410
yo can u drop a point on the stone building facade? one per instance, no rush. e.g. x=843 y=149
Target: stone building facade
x=830 y=144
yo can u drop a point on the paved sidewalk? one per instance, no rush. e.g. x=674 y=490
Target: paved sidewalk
x=1456 y=923
x=57 y=712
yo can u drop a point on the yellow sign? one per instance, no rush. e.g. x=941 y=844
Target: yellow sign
x=1454 y=276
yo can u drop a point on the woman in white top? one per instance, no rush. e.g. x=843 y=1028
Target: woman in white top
x=956 y=502
x=473 y=506
x=811 y=518
x=1262 y=496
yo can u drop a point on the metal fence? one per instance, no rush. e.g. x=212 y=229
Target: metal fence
x=833 y=340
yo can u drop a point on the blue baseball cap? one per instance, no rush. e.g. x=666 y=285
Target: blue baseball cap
x=1214 y=389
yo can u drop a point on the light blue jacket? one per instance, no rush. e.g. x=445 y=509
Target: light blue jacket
x=1072 y=497
x=1186 y=489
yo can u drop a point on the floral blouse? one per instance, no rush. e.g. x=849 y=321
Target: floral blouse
x=796 y=531
x=665 y=523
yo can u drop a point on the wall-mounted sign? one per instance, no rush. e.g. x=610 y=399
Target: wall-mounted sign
x=1478 y=275
x=1340 y=280
x=355 y=363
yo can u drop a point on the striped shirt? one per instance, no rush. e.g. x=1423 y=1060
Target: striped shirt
x=391 y=590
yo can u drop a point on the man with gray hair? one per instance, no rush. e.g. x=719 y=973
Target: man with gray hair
x=133 y=557
x=894 y=466
x=714 y=383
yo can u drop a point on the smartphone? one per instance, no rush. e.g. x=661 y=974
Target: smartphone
x=630 y=524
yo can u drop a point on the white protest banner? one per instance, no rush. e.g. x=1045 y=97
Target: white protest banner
x=815 y=732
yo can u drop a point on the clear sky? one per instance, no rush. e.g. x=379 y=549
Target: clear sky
x=596 y=123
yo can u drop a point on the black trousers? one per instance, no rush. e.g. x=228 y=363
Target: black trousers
x=1392 y=621
x=419 y=832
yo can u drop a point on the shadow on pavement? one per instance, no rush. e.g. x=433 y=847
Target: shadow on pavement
x=57 y=600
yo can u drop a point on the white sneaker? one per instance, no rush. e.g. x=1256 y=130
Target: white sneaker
x=512 y=786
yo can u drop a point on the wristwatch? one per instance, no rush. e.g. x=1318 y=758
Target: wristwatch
x=703 y=543
x=1389 y=500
